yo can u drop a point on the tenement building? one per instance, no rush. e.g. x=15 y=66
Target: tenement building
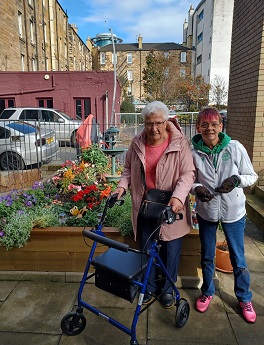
x=130 y=61
x=35 y=36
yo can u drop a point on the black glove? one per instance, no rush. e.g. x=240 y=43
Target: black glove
x=203 y=194
x=228 y=184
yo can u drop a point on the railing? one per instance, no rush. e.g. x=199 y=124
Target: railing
x=129 y=125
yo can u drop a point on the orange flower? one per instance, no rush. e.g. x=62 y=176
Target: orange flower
x=105 y=193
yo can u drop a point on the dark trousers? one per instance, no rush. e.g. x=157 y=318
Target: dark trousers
x=170 y=252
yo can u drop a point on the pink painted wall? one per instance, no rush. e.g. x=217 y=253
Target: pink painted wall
x=27 y=87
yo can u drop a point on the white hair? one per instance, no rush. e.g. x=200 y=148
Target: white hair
x=154 y=108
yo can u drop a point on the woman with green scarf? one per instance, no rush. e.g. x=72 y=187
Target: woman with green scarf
x=223 y=169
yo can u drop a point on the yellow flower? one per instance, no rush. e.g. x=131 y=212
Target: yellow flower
x=68 y=174
x=82 y=165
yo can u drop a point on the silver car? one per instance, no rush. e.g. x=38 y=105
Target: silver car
x=23 y=145
x=64 y=126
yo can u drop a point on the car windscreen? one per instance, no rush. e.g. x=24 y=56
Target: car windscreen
x=7 y=113
x=66 y=116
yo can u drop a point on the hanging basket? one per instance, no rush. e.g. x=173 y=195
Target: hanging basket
x=222 y=258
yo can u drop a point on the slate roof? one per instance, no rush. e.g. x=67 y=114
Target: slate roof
x=145 y=47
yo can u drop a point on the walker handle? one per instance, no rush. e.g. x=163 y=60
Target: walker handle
x=106 y=241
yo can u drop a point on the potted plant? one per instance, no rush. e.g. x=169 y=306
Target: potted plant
x=222 y=257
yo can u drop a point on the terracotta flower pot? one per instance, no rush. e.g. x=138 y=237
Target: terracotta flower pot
x=222 y=258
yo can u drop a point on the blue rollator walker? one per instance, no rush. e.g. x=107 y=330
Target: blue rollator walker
x=124 y=272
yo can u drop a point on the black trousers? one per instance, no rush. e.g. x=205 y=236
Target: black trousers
x=170 y=252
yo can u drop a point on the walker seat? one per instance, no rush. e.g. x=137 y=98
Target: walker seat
x=116 y=270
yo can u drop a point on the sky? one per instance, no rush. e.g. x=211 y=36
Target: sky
x=155 y=20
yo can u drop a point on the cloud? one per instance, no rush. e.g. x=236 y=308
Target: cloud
x=155 y=20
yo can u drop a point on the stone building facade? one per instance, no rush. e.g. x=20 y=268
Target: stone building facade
x=131 y=60
x=35 y=36
x=246 y=83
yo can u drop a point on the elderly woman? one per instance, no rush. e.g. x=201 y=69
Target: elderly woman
x=159 y=157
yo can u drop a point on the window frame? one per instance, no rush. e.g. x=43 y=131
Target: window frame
x=200 y=37
x=183 y=57
x=102 y=58
x=20 y=24
x=129 y=75
x=129 y=58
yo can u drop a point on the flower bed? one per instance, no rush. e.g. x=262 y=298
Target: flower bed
x=74 y=196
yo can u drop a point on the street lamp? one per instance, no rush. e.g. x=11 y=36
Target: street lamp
x=114 y=93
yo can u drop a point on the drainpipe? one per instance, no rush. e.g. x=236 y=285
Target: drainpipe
x=44 y=39
x=36 y=36
x=57 y=38
x=106 y=110
x=26 y=33
x=52 y=36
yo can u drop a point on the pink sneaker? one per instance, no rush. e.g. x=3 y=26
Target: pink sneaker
x=203 y=302
x=248 y=311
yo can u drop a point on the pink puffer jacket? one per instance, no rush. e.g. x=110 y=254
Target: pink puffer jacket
x=174 y=172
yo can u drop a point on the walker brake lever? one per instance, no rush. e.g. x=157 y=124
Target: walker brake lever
x=113 y=200
x=170 y=217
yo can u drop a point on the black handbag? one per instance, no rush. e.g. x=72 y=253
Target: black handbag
x=154 y=203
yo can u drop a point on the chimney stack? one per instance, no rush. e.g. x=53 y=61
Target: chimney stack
x=139 y=41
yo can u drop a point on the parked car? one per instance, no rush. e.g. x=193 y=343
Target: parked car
x=23 y=145
x=64 y=126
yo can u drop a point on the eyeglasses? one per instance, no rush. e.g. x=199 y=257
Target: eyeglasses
x=157 y=124
x=205 y=125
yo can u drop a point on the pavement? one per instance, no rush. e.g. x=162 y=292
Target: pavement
x=32 y=305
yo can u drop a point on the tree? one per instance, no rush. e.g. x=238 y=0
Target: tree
x=219 y=92
x=127 y=105
x=192 y=92
x=156 y=76
x=162 y=82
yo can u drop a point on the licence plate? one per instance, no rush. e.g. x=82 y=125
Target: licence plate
x=50 y=140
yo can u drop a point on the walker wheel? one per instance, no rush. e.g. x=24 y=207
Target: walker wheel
x=73 y=323
x=182 y=313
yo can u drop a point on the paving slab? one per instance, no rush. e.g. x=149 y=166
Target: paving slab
x=248 y=334
x=6 y=287
x=36 y=307
x=100 y=332
x=8 y=338
x=212 y=327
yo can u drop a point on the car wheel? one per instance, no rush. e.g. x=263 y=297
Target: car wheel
x=11 y=161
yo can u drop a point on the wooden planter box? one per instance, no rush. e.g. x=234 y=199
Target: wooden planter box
x=63 y=249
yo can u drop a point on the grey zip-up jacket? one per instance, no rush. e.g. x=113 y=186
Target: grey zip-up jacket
x=212 y=168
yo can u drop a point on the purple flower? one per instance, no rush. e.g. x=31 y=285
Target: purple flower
x=28 y=203
x=38 y=185
x=2 y=233
x=19 y=212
